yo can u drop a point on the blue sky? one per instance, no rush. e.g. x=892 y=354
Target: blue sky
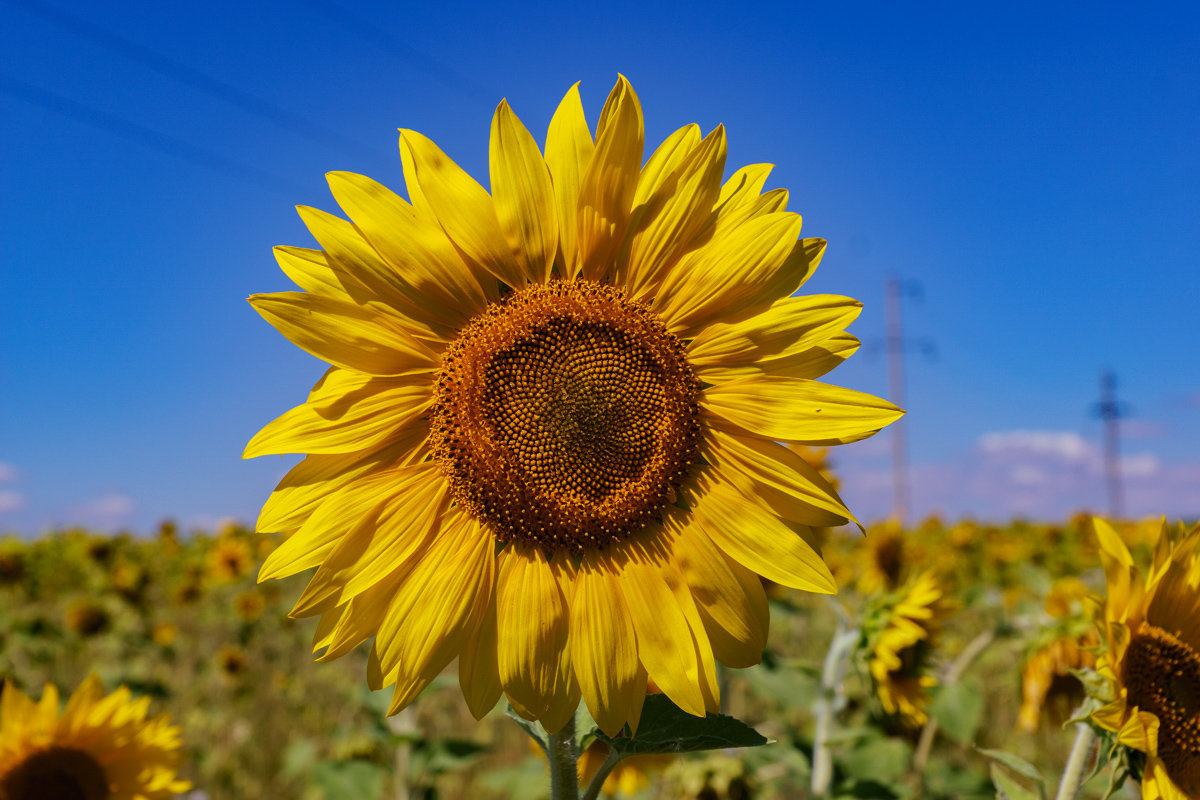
x=1033 y=169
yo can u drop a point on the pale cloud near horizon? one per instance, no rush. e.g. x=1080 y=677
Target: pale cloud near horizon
x=10 y=500
x=7 y=472
x=1041 y=474
x=107 y=510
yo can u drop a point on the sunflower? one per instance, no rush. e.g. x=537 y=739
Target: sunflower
x=882 y=559
x=548 y=440
x=100 y=748
x=1151 y=626
x=229 y=559
x=899 y=662
x=1048 y=684
x=630 y=776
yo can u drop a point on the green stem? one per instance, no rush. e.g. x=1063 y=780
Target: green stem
x=1081 y=751
x=593 y=790
x=969 y=653
x=564 y=772
x=829 y=701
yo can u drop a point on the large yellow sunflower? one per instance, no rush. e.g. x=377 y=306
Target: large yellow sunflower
x=100 y=748
x=548 y=443
x=1151 y=626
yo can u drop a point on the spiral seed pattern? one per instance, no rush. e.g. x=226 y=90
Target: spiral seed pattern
x=564 y=415
x=1162 y=675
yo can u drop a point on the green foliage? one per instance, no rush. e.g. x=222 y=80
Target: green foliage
x=665 y=728
x=958 y=709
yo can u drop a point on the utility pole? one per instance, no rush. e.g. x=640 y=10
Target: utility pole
x=895 y=360
x=1109 y=410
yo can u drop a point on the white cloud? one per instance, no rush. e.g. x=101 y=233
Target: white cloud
x=1041 y=474
x=106 y=510
x=1067 y=445
x=10 y=500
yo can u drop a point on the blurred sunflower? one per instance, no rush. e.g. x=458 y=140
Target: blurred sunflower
x=1151 y=627
x=249 y=605
x=881 y=558
x=100 y=748
x=1048 y=685
x=12 y=562
x=232 y=661
x=548 y=441
x=900 y=656
x=630 y=776
x=87 y=617
x=229 y=559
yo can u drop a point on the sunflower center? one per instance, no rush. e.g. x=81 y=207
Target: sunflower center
x=56 y=773
x=564 y=415
x=1162 y=675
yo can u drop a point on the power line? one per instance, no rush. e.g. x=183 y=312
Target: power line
x=398 y=49
x=194 y=78
x=131 y=130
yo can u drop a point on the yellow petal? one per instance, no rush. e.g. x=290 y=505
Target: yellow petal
x=308 y=483
x=524 y=196
x=606 y=191
x=743 y=187
x=1111 y=545
x=773 y=465
x=664 y=161
x=463 y=208
x=440 y=603
x=394 y=534
x=730 y=598
x=569 y=149
x=422 y=264
x=665 y=644
x=604 y=652
x=341 y=511
x=757 y=539
x=729 y=274
x=532 y=620
x=798 y=410
x=667 y=222
x=478 y=672
x=370 y=412
x=789 y=326
x=811 y=363
x=311 y=271
x=356 y=337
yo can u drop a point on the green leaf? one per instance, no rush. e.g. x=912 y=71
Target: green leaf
x=298 y=757
x=1009 y=789
x=665 y=728
x=448 y=755
x=1015 y=763
x=348 y=780
x=880 y=759
x=865 y=790
x=958 y=709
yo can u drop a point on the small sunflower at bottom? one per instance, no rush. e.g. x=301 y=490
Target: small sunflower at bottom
x=1150 y=622
x=99 y=748
x=900 y=657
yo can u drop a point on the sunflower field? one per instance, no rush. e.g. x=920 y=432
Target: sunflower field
x=949 y=666
x=565 y=504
